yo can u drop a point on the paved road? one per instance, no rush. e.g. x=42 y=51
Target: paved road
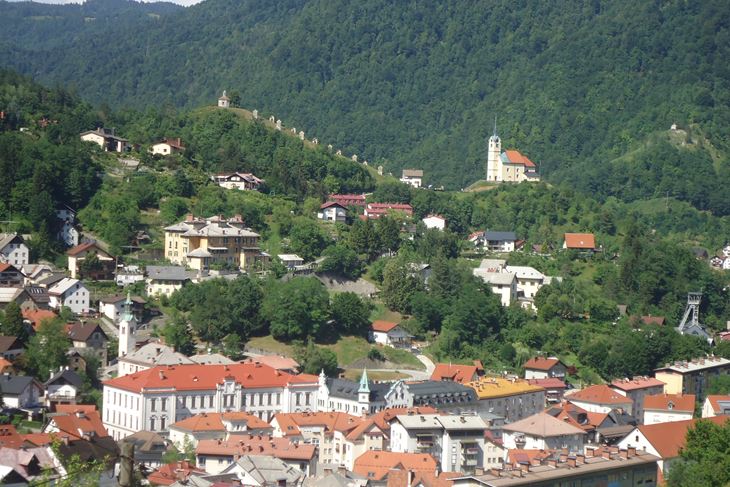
x=430 y=366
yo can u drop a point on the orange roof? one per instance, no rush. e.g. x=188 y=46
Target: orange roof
x=173 y=472
x=78 y=424
x=548 y=383
x=197 y=377
x=81 y=248
x=5 y=363
x=36 y=317
x=9 y=437
x=516 y=157
x=562 y=412
x=214 y=421
x=382 y=420
x=679 y=402
x=375 y=465
x=276 y=361
x=636 y=383
x=258 y=445
x=516 y=456
x=75 y=408
x=542 y=363
x=580 y=241
x=38 y=439
x=289 y=423
x=399 y=478
x=653 y=320
x=383 y=326
x=454 y=372
x=599 y=394
x=714 y=401
x=668 y=438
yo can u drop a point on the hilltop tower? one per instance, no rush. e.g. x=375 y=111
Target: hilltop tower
x=127 y=327
x=494 y=161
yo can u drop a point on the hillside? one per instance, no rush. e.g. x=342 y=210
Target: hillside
x=571 y=83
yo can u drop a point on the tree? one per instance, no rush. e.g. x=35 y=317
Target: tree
x=314 y=359
x=400 y=283
x=178 y=336
x=341 y=261
x=388 y=232
x=12 y=323
x=307 y=238
x=47 y=348
x=364 y=239
x=351 y=314
x=705 y=458
x=297 y=309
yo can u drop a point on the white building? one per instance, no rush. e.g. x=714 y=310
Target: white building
x=637 y=389
x=600 y=399
x=67 y=233
x=70 y=293
x=508 y=166
x=503 y=284
x=237 y=180
x=128 y=275
x=224 y=101
x=165 y=280
x=435 y=221
x=168 y=146
x=666 y=408
x=389 y=334
x=542 y=432
x=13 y=249
x=106 y=139
x=291 y=261
x=412 y=177
x=148 y=356
x=716 y=405
x=332 y=212
x=500 y=242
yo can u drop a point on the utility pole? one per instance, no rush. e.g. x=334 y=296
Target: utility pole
x=126 y=464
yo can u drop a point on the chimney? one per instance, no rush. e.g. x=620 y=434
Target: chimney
x=590 y=452
x=189 y=217
x=495 y=471
x=624 y=453
x=631 y=451
x=64 y=439
x=580 y=459
x=478 y=471
x=606 y=453
x=552 y=462
x=563 y=457
x=571 y=462
x=342 y=470
x=525 y=467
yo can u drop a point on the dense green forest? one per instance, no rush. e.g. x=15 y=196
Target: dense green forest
x=574 y=85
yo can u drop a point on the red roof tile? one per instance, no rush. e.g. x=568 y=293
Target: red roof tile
x=375 y=465
x=382 y=420
x=78 y=424
x=455 y=372
x=714 y=401
x=542 y=363
x=36 y=317
x=257 y=445
x=517 y=157
x=9 y=437
x=668 y=438
x=580 y=241
x=636 y=383
x=383 y=326
x=173 y=472
x=289 y=423
x=548 y=383
x=214 y=421
x=599 y=394
x=679 y=402
x=329 y=204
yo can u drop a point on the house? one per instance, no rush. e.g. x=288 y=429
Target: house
x=90 y=338
x=215 y=426
x=412 y=177
x=278 y=362
x=76 y=422
x=389 y=334
x=691 y=377
x=19 y=296
x=242 y=181
x=529 y=280
x=716 y=405
x=376 y=210
x=665 y=408
x=13 y=249
x=154 y=398
x=554 y=389
x=200 y=242
x=545 y=367
x=38 y=297
x=20 y=391
x=11 y=276
x=150 y=355
x=128 y=274
x=542 y=431
x=508 y=166
x=663 y=440
x=446 y=396
x=62 y=387
x=512 y=399
x=435 y=221
x=224 y=101
x=215 y=456
x=456 y=442
x=170 y=473
x=32 y=465
x=600 y=399
x=637 y=389
x=332 y=211
x=78 y=254
x=149 y=449
x=67 y=231
x=70 y=293
x=346 y=396
x=501 y=242
x=6 y=366
x=165 y=280
x=503 y=284
x=10 y=347
x=168 y=146
x=458 y=373
x=653 y=320
x=260 y=471
x=583 y=242
x=377 y=465
x=113 y=306
x=106 y=139
x=346 y=200
x=36 y=272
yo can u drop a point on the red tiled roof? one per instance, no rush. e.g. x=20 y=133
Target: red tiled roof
x=599 y=394
x=349 y=199
x=214 y=421
x=38 y=439
x=257 y=445
x=36 y=317
x=173 y=472
x=580 y=241
x=636 y=383
x=382 y=326
x=80 y=248
x=74 y=408
x=375 y=465
x=542 y=363
x=668 y=438
x=455 y=372
x=278 y=362
x=653 y=320
x=660 y=402
x=516 y=157
x=714 y=401
x=4 y=266
x=548 y=383
x=390 y=206
x=516 y=456
x=399 y=478
x=382 y=420
x=329 y=204
x=289 y=423
x=195 y=377
x=9 y=437
x=77 y=425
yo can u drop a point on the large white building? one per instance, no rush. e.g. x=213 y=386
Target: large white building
x=70 y=293
x=13 y=249
x=542 y=432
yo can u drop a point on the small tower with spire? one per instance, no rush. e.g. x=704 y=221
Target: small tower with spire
x=494 y=161
x=363 y=392
x=127 y=327
x=224 y=101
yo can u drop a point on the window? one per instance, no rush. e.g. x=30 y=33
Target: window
x=153 y=404
x=152 y=423
x=163 y=404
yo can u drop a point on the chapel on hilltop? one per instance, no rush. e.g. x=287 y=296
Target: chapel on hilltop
x=510 y=165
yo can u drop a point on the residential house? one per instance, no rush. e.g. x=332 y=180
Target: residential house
x=150 y=355
x=542 y=431
x=154 y=398
x=29 y=466
x=582 y=242
x=70 y=293
x=456 y=442
x=377 y=465
x=348 y=199
x=238 y=180
x=600 y=399
x=332 y=211
x=106 y=139
x=171 y=473
x=692 y=377
x=10 y=348
x=17 y=295
x=80 y=253
x=554 y=389
x=512 y=399
x=716 y=405
x=663 y=440
x=278 y=362
x=39 y=298
x=544 y=368
x=458 y=373
x=128 y=274
x=261 y=471
x=389 y=334
x=637 y=389
x=199 y=243
x=76 y=422
x=291 y=261
x=13 y=249
x=20 y=391
x=62 y=387
x=346 y=396
x=496 y=241
x=165 y=280
x=215 y=426
x=376 y=210
x=435 y=221
x=665 y=408
x=529 y=280
x=36 y=272
x=90 y=338
x=215 y=456
x=412 y=177
x=168 y=146
x=113 y=307
x=149 y=449
x=11 y=276
x=503 y=284
x=67 y=231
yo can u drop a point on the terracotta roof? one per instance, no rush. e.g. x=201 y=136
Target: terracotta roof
x=9 y=437
x=548 y=383
x=5 y=363
x=289 y=423
x=329 y=204
x=4 y=266
x=580 y=241
x=77 y=424
x=256 y=445
x=382 y=420
x=276 y=361
x=516 y=156
x=173 y=472
x=399 y=478
x=715 y=401
x=382 y=326
x=194 y=377
x=375 y=465
x=74 y=408
x=599 y=394
x=653 y=320
x=35 y=317
x=668 y=438
x=543 y=425
x=542 y=363
x=517 y=456
x=661 y=402
x=214 y=422
x=38 y=439
x=455 y=372
x=82 y=248
x=572 y=414
x=636 y=383
x=493 y=387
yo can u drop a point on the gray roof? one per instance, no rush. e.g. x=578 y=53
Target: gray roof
x=7 y=238
x=52 y=279
x=347 y=389
x=440 y=388
x=157 y=354
x=147 y=445
x=66 y=375
x=267 y=470
x=492 y=235
x=9 y=343
x=167 y=273
x=211 y=359
x=14 y=385
x=504 y=278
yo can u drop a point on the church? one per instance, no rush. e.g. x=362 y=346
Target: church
x=510 y=165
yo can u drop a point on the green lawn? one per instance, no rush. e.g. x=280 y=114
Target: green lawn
x=354 y=374
x=268 y=344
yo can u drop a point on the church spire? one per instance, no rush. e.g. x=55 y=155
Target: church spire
x=364 y=386
x=495 y=126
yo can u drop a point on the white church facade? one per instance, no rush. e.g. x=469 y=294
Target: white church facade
x=510 y=165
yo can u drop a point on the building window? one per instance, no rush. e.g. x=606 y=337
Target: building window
x=153 y=404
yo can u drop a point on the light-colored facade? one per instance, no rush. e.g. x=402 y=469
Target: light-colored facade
x=106 y=139
x=332 y=212
x=165 y=280
x=13 y=249
x=167 y=147
x=508 y=166
x=667 y=408
x=435 y=221
x=412 y=177
x=512 y=399
x=70 y=293
x=637 y=389
x=502 y=284
x=543 y=432
x=237 y=180
x=692 y=377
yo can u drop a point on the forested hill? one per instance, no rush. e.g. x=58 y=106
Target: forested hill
x=418 y=83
